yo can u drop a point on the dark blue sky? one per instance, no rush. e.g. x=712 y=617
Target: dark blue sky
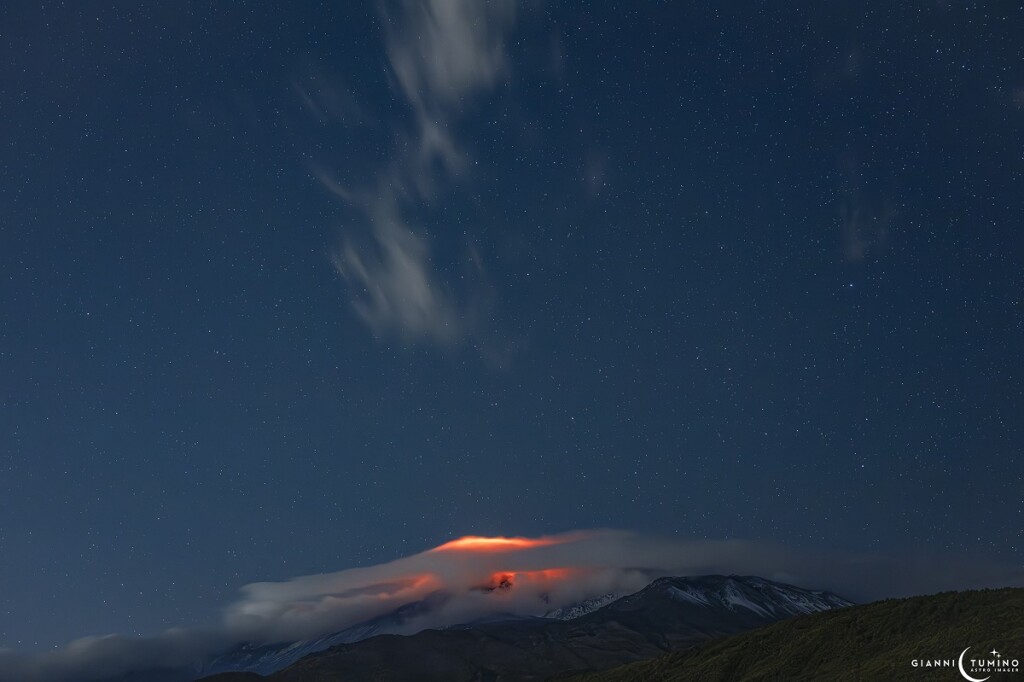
x=286 y=290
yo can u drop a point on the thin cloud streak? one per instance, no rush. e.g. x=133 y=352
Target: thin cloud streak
x=442 y=54
x=400 y=292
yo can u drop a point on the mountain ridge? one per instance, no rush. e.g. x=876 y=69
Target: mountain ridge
x=875 y=641
x=668 y=614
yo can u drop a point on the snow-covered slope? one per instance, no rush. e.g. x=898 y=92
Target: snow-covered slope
x=764 y=598
x=581 y=608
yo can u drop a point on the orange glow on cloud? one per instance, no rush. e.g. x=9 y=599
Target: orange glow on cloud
x=424 y=581
x=508 y=579
x=551 y=573
x=475 y=543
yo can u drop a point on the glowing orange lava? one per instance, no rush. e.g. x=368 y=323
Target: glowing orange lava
x=475 y=543
x=504 y=580
x=544 y=574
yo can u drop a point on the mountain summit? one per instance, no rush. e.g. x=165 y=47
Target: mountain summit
x=668 y=615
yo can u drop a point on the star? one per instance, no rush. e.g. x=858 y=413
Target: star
x=994 y=652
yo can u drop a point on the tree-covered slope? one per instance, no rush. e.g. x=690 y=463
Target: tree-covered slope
x=876 y=641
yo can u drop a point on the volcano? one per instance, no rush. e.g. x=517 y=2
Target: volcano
x=670 y=614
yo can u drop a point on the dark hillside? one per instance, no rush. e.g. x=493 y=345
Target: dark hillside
x=875 y=641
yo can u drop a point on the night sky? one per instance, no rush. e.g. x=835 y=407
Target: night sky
x=287 y=288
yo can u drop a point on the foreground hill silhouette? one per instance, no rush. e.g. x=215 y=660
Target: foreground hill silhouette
x=875 y=641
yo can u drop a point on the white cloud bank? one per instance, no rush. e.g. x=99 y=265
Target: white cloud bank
x=543 y=573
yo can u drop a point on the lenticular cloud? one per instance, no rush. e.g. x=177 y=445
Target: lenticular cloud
x=473 y=577
x=468 y=577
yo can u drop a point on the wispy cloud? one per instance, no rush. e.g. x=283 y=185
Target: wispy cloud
x=442 y=54
x=106 y=656
x=394 y=287
x=865 y=220
x=539 y=574
x=327 y=98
